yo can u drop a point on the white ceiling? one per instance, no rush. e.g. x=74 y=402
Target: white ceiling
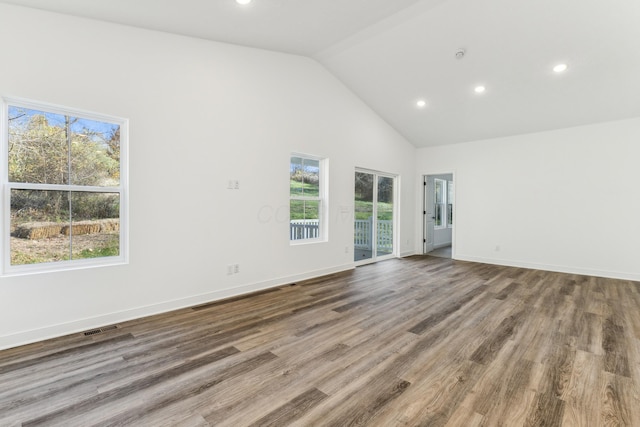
x=393 y=52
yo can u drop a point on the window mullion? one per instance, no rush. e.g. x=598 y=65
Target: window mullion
x=67 y=126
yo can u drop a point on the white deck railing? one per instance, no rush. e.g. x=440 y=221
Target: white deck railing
x=304 y=229
x=363 y=232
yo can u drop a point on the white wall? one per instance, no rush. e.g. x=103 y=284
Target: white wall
x=565 y=200
x=200 y=113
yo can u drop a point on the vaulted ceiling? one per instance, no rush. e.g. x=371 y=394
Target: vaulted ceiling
x=394 y=53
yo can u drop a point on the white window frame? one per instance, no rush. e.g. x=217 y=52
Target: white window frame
x=450 y=197
x=5 y=208
x=322 y=198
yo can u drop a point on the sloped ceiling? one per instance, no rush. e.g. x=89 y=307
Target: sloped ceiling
x=393 y=53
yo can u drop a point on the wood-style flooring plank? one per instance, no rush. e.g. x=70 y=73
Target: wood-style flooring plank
x=582 y=399
x=292 y=410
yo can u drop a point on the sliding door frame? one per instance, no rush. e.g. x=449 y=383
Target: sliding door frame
x=395 y=216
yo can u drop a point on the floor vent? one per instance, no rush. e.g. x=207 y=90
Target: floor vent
x=100 y=330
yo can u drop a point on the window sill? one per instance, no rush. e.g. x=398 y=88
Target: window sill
x=62 y=266
x=303 y=242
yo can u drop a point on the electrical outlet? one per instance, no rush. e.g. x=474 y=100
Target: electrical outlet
x=236 y=268
x=236 y=185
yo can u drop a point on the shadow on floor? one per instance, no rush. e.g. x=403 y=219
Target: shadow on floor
x=444 y=252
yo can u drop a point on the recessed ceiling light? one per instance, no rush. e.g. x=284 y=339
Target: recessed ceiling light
x=421 y=103
x=479 y=89
x=560 y=68
x=243 y=2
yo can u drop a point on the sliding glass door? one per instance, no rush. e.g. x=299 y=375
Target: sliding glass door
x=374 y=216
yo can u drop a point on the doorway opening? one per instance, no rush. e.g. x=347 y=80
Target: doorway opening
x=438 y=215
x=374 y=216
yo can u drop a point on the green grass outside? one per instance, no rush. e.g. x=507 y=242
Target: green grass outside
x=109 y=248
x=363 y=210
x=308 y=190
x=297 y=210
x=23 y=258
x=99 y=252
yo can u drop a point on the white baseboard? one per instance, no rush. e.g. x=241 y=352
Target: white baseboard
x=53 y=331
x=551 y=267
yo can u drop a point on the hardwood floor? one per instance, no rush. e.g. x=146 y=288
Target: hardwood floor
x=421 y=341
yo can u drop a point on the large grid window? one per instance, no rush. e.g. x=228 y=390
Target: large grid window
x=64 y=182
x=306 y=200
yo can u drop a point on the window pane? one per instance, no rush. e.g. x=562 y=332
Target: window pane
x=37 y=221
x=296 y=222
x=449 y=203
x=385 y=190
x=39 y=144
x=439 y=215
x=311 y=178
x=384 y=230
x=439 y=186
x=296 y=210
x=311 y=219
x=41 y=230
x=312 y=211
x=363 y=189
x=95 y=153
x=363 y=221
x=305 y=219
x=38 y=147
x=295 y=177
x=95 y=225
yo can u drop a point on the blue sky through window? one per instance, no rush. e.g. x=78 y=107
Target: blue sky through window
x=103 y=130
